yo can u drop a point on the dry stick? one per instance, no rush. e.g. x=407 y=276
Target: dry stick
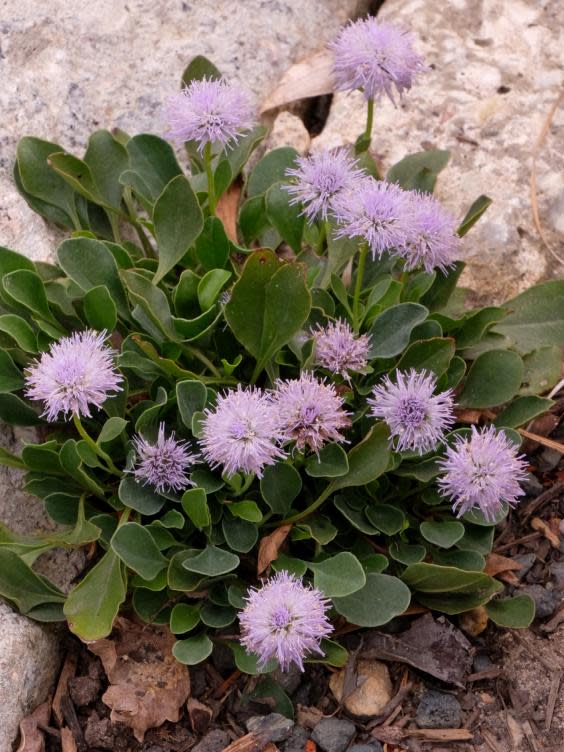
x=524 y=539
x=544 y=497
x=551 y=702
x=490 y=741
x=542 y=440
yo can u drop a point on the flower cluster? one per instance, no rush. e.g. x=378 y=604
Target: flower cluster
x=340 y=350
x=163 y=464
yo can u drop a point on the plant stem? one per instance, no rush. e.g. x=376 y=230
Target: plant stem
x=199 y=355
x=95 y=448
x=369 y=122
x=209 y=173
x=322 y=237
x=358 y=285
x=309 y=510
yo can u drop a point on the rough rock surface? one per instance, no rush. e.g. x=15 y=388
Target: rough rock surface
x=29 y=657
x=373 y=689
x=497 y=69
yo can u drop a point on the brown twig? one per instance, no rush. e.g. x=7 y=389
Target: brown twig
x=550 y=443
x=551 y=702
x=546 y=496
x=524 y=539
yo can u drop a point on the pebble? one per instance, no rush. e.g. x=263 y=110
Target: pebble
x=276 y=726
x=545 y=600
x=333 y=734
x=373 y=689
x=557 y=572
x=213 y=741
x=297 y=740
x=527 y=560
x=481 y=662
x=374 y=746
x=438 y=710
x=532 y=486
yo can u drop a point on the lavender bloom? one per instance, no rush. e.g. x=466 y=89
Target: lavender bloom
x=339 y=350
x=320 y=178
x=374 y=57
x=243 y=432
x=162 y=465
x=416 y=417
x=311 y=412
x=378 y=212
x=78 y=371
x=482 y=472
x=433 y=242
x=285 y=620
x=209 y=112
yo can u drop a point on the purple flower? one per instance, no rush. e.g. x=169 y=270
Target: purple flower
x=433 y=242
x=311 y=412
x=162 y=465
x=482 y=472
x=285 y=620
x=243 y=432
x=319 y=179
x=417 y=418
x=339 y=350
x=374 y=57
x=209 y=111
x=378 y=212
x=78 y=371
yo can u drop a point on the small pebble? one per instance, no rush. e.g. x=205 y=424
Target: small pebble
x=276 y=726
x=527 y=560
x=482 y=662
x=296 y=741
x=213 y=741
x=557 y=572
x=333 y=734
x=374 y=746
x=545 y=600
x=438 y=710
x=532 y=486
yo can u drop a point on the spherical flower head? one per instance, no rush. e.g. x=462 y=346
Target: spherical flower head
x=482 y=472
x=378 y=213
x=242 y=433
x=163 y=464
x=433 y=242
x=416 y=416
x=209 y=112
x=77 y=372
x=285 y=620
x=319 y=179
x=340 y=350
x=375 y=58
x=311 y=412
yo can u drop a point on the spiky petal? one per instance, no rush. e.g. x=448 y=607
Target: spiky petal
x=163 y=464
x=482 y=472
x=286 y=620
x=416 y=416
x=209 y=111
x=433 y=242
x=339 y=350
x=377 y=212
x=377 y=58
x=77 y=372
x=319 y=179
x=242 y=433
x=311 y=412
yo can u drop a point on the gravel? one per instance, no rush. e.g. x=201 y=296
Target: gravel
x=545 y=600
x=438 y=710
x=333 y=734
x=274 y=725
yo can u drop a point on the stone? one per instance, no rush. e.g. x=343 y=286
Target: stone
x=288 y=130
x=374 y=746
x=213 y=741
x=532 y=485
x=482 y=662
x=496 y=70
x=527 y=561
x=296 y=741
x=438 y=710
x=557 y=572
x=545 y=600
x=274 y=726
x=333 y=734
x=84 y=690
x=373 y=689
x=29 y=660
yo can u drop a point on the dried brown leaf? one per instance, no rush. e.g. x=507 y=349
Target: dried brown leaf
x=200 y=715
x=31 y=737
x=308 y=717
x=148 y=686
x=310 y=77
x=226 y=210
x=270 y=546
x=67 y=673
x=496 y=564
x=68 y=743
x=541 y=527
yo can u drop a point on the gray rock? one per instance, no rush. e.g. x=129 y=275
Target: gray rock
x=274 y=726
x=213 y=741
x=374 y=746
x=333 y=734
x=438 y=710
x=557 y=572
x=296 y=741
x=29 y=659
x=527 y=560
x=545 y=600
x=497 y=68
x=532 y=485
x=481 y=662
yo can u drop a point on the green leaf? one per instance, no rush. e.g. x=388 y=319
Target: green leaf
x=178 y=220
x=442 y=288
x=195 y=504
x=339 y=575
x=21 y=585
x=430 y=354
x=107 y=159
x=11 y=378
x=184 y=618
x=111 y=429
x=289 y=564
x=210 y=286
x=152 y=160
x=20 y=331
x=212 y=562
x=271 y=169
x=279 y=486
x=91 y=264
x=478 y=538
x=514 y=613
x=522 y=410
x=136 y=548
x=331 y=462
x=442 y=534
x=419 y=171
x=380 y=600
x=10 y=460
x=192 y=650
x=93 y=604
x=390 y=520
x=141 y=498
x=216 y=616
x=153 y=302
x=367 y=460
x=288 y=219
x=271 y=694
x=355 y=514
x=246 y=510
x=407 y=553
x=494 y=378
x=318 y=527
x=198 y=68
x=16 y=412
x=77 y=174
x=191 y=397
x=28 y=290
x=470 y=560
x=542 y=369
x=333 y=654
x=391 y=330
x=536 y=318
x=248 y=662
x=474 y=213
x=476 y=326
x=240 y=535
x=477 y=517
x=99 y=309
x=212 y=245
